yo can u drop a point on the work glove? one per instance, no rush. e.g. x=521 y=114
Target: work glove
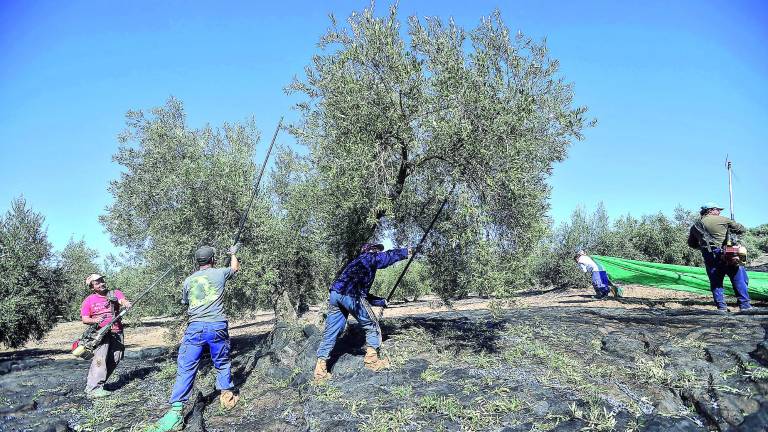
x=234 y=248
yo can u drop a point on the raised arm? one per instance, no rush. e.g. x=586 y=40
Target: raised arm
x=386 y=259
x=234 y=263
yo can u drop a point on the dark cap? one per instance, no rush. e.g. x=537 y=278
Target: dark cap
x=371 y=247
x=204 y=255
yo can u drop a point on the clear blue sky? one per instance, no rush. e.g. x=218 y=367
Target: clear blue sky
x=674 y=88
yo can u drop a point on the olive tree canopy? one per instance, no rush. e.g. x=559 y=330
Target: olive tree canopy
x=182 y=188
x=393 y=118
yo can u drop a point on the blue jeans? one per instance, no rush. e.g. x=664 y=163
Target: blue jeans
x=197 y=336
x=717 y=269
x=339 y=308
x=600 y=282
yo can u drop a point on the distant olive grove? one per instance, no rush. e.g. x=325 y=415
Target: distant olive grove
x=390 y=126
x=37 y=286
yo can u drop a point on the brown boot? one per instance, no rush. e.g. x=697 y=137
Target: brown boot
x=321 y=371
x=228 y=399
x=372 y=360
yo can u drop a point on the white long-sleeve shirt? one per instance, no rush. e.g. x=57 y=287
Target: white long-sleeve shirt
x=587 y=264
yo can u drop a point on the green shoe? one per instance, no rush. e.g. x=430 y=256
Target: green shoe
x=619 y=292
x=98 y=393
x=171 y=421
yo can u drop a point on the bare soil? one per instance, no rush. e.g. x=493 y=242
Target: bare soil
x=151 y=332
x=550 y=360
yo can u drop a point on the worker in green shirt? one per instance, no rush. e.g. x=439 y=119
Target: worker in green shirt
x=709 y=235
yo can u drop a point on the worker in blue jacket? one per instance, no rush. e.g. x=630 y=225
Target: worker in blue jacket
x=349 y=294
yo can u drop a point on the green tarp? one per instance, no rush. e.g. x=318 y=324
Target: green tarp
x=675 y=277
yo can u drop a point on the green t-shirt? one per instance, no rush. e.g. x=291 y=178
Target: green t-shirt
x=204 y=291
x=717 y=226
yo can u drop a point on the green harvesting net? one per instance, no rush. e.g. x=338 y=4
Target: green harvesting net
x=675 y=277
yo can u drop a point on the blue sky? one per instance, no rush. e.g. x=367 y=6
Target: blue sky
x=674 y=88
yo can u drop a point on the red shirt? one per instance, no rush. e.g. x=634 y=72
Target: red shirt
x=99 y=306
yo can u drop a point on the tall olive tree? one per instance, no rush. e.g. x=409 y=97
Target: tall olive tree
x=182 y=188
x=76 y=261
x=304 y=264
x=29 y=282
x=393 y=118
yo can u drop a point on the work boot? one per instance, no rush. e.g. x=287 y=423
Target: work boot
x=97 y=393
x=228 y=399
x=171 y=421
x=321 y=371
x=372 y=360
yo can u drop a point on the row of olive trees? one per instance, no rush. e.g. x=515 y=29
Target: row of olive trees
x=656 y=238
x=392 y=124
x=39 y=286
x=36 y=285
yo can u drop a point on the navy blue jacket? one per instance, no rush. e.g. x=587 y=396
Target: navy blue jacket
x=358 y=275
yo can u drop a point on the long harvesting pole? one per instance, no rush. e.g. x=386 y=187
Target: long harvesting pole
x=255 y=192
x=418 y=246
x=730 y=183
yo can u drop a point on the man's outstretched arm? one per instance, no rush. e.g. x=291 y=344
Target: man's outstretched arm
x=386 y=259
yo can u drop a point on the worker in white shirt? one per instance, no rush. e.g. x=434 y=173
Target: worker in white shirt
x=603 y=286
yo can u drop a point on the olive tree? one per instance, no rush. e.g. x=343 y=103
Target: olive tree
x=76 y=261
x=394 y=118
x=182 y=188
x=303 y=262
x=29 y=282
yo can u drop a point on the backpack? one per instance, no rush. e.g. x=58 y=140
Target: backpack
x=733 y=253
x=706 y=240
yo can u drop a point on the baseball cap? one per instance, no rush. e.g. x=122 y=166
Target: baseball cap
x=204 y=254
x=711 y=205
x=371 y=247
x=92 y=277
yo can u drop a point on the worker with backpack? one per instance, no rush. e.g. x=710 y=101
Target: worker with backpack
x=98 y=310
x=714 y=236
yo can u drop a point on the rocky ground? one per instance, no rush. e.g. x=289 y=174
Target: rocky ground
x=547 y=361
